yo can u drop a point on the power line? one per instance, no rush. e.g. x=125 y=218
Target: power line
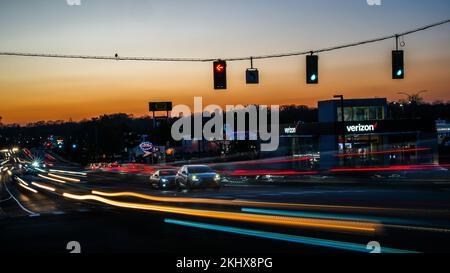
x=271 y=56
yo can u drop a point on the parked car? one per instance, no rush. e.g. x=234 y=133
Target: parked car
x=164 y=179
x=197 y=176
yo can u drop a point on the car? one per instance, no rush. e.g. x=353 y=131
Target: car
x=197 y=176
x=164 y=179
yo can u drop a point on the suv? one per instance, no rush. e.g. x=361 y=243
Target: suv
x=197 y=176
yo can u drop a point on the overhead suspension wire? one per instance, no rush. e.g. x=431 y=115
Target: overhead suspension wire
x=271 y=56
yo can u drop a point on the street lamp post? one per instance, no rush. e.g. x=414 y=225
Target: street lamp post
x=341 y=97
x=414 y=100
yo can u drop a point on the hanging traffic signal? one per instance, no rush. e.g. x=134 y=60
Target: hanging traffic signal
x=252 y=76
x=312 y=69
x=220 y=74
x=398 y=65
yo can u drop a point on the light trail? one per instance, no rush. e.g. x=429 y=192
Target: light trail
x=330 y=216
x=285 y=237
x=18 y=202
x=389 y=168
x=28 y=188
x=52 y=179
x=23 y=183
x=67 y=172
x=386 y=152
x=43 y=187
x=263 y=204
x=262 y=172
x=261 y=219
x=64 y=178
x=423 y=229
x=21 y=180
x=264 y=162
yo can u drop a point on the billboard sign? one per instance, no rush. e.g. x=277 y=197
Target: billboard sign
x=160 y=106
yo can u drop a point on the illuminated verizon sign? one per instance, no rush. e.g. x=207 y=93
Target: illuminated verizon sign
x=362 y=128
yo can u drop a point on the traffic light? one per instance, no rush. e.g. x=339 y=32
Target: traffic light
x=312 y=69
x=252 y=76
x=398 y=65
x=220 y=74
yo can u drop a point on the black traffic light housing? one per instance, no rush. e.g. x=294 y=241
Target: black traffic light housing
x=220 y=74
x=252 y=76
x=398 y=65
x=312 y=69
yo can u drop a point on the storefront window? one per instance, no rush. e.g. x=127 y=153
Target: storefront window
x=361 y=113
x=376 y=113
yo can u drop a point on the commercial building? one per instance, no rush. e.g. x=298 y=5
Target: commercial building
x=361 y=136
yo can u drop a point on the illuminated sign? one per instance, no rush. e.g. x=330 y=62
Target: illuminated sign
x=146 y=146
x=290 y=130
x=362 y=128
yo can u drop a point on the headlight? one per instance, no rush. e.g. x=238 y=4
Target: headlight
x=217 y=177
x=194 y=178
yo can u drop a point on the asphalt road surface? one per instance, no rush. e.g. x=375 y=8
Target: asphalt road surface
x=110 y=212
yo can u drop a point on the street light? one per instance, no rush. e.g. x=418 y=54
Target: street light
x=413 y=97
x=414 y=100
x=341 y=97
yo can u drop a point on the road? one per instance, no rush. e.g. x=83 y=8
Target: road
x=111 y=212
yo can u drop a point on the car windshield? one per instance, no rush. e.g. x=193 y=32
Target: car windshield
x=200 y=169
x=167 y=172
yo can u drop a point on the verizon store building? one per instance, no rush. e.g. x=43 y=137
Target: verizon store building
x=366 y=138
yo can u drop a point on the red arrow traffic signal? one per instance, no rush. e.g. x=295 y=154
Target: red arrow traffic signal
x=220 y=74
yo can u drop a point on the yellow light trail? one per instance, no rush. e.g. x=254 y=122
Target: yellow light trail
x=43 y=187
x=64 y=178
x=253 y=203
x=52 y=179
x=21 y=180
x=365 y=227
x=28 y=188
x=23 y=183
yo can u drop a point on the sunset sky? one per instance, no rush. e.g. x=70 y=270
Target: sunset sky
x=33 y=89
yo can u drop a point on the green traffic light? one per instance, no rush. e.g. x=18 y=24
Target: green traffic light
x=399 y=73
x=313 y=77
